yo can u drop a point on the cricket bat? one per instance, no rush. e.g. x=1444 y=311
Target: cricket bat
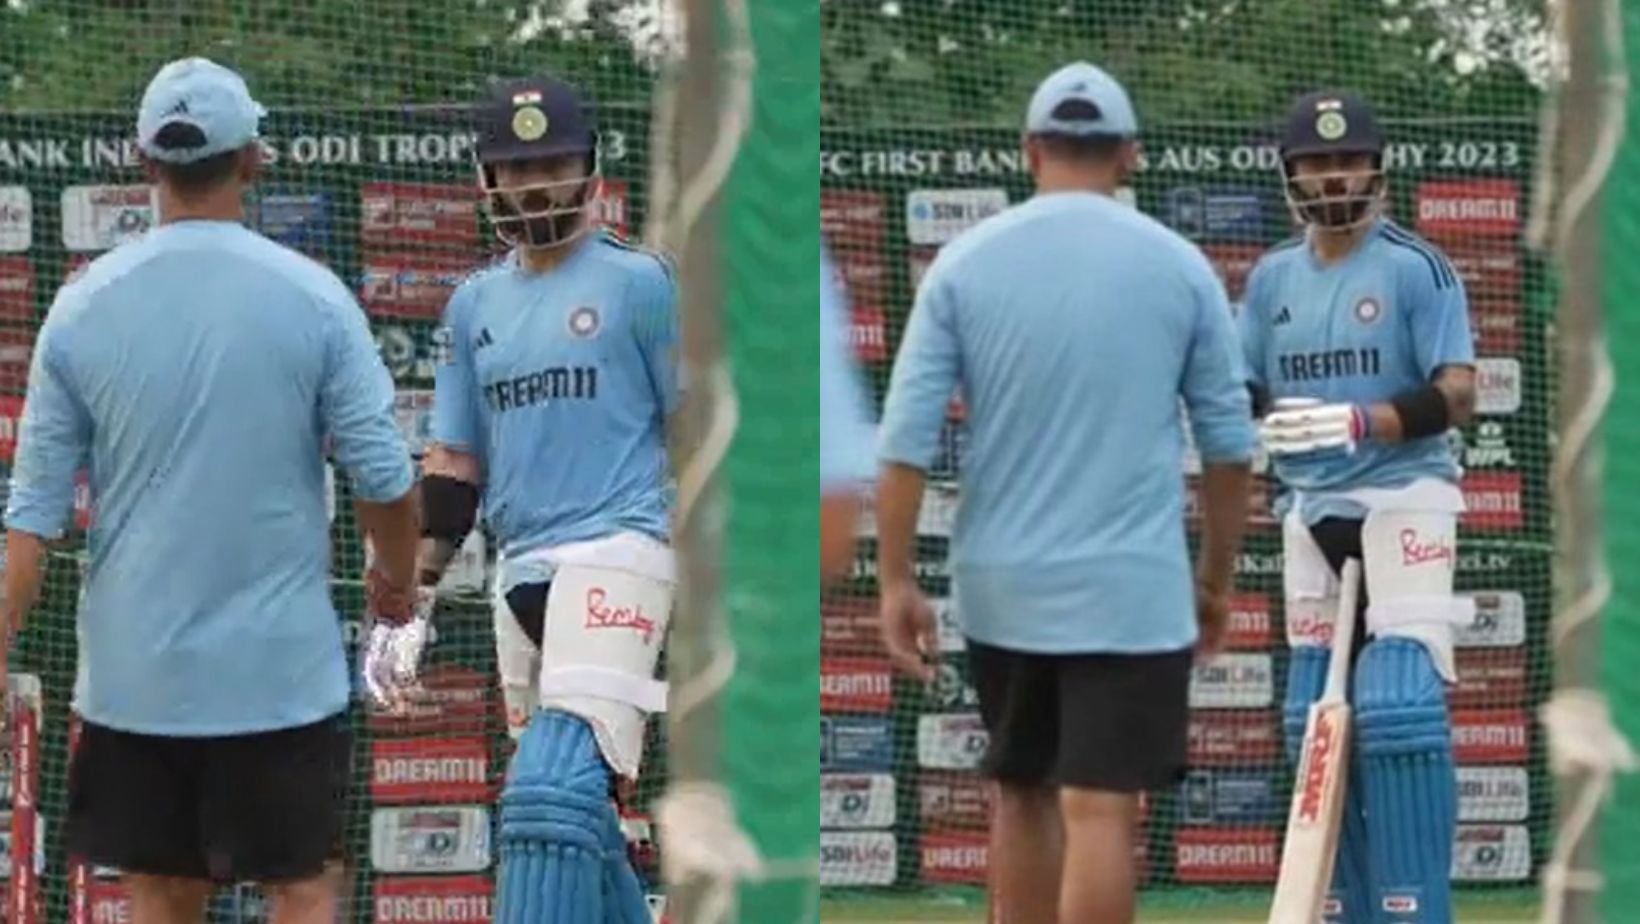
x=1316 y=815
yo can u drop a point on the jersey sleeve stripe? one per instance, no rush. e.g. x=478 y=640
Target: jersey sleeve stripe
x=616 y=240
x=1438 y=266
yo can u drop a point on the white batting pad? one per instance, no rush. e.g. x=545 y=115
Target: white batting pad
x=1411 y=558
x=518 y=662
x=1309 y=584
x=600 y=646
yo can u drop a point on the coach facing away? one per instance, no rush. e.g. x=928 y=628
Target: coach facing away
x=197 y=373
x=1072 y=326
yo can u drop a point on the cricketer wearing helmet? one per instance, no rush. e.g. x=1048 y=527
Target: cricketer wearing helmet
x=1360 y=360
x=553 y=390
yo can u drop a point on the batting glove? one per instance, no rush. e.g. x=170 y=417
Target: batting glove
x=1305 y=425
x=400 y=626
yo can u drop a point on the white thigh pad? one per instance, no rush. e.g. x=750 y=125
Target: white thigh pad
x=1309 y=585
x=1411 y=558
x=601 y=643
x=518 y=662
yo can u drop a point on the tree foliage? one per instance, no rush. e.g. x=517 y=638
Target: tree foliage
x=68 y=55
x=976 y=61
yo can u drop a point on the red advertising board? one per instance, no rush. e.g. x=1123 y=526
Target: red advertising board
x=856 y=685
x=1233 y=737
x=433 y=900
x=1491 y=736
x=16 y=289
x=423 y=770
x=1493 y=500
x=458 y=700
x=848 y=625
x=1449 y=210
x=1251 y=624
x=1223 y=855
x=956 y=856
x=1490 y=677
x=434 y=215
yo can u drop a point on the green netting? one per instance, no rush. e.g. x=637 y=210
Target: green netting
x=369 y=171
x=1620 y=629
x=922 y=106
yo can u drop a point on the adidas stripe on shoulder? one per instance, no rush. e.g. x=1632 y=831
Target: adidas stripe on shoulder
x=1440 y=268
x=664 y=259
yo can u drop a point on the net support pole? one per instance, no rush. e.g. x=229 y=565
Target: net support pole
x=694 y=741
x=1582 y=744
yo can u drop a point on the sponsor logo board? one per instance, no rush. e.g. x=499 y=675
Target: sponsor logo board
x=430 y=839
x=1494 y=794
x=857 y=800
x=937 y=216
x=1492 y=853
x=430 y=769
x=1233 y=680
x=857 y=858
x=947 y=741
x=856 y=685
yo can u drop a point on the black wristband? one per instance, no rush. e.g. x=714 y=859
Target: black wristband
x=1261 y=398
x=1423 y=412
x=448 y=508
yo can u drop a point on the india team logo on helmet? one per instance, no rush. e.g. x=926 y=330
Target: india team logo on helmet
x=1331 y=125
x=583 y=321
x=529 y=124
x=1368 y=310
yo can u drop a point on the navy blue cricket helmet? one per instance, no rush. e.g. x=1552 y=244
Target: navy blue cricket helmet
x=536 y=119
x=1327 y=126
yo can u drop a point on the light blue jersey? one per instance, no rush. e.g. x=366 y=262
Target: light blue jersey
x=1074 y=326
x=196 y=373
x=560 y=384
x=1359 y=331
x=845 y=433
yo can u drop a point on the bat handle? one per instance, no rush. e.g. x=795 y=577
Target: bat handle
x=1343 y=639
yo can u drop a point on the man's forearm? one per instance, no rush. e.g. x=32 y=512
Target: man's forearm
x=1385 y=422
x=25 y=553
x=838 y=512
x=394 y=529
x=899 y=500
x=1225 y=487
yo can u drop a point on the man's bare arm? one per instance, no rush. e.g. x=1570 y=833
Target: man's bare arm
x=25 y=558
x=393 y=528
x=839 y=512
x=450 y=488
x=1225 y=487
x=899 y=500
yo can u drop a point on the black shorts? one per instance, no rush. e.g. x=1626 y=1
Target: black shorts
x=1115 y=722
x=265 y=807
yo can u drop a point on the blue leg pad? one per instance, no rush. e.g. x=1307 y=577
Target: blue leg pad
x=563 y=858
x=1404 y=756
x=1349 y=900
